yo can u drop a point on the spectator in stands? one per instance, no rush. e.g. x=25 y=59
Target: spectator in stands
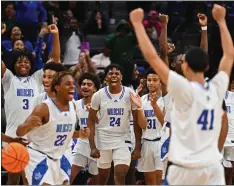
x=27 y=16
x=14 y=34
x=70 y=40
x=153 y=23
x=121 y=44
x=102 y=60
x=84 y=64
x=9 y=15
x=96 y=24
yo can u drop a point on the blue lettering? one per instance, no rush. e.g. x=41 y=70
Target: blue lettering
x=115 y=111
x=64 y=128
x=149 y=113
x=25 y=92
x=83 y=122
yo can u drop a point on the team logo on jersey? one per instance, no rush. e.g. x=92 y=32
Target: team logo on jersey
x=115 y=101
x=65 y=114
x=37 y=176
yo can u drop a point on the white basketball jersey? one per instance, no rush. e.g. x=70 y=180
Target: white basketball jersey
x=19 y=94
x=229 y=100
x=153 y=128
x=54 y=137
x=39 y=99
x=114 y=117
x=82 y=114
x=197 y=115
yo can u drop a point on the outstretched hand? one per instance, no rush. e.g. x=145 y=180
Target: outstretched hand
x=202 y=19
x=219 y=13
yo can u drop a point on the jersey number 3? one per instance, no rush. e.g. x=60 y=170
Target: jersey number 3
x=207 y=116
x=26 y=104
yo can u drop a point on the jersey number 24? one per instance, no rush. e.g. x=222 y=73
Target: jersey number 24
x=207 y=116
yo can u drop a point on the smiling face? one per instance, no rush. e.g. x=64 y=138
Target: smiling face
x=153 y=83
x=87 y=88
x=66 y=88
x=22 y=66
x=47 y=79
x=18 y=45
x=114 y=77
x=16 y=33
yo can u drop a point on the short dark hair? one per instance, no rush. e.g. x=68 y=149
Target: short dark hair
x=111 y=66
x=197 y=59
x=58 y=78
x=94 y=78
x=57 y=67
x=150 y=70
x=13 y=43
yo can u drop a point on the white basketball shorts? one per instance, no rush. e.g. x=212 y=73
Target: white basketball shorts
x=42 y=169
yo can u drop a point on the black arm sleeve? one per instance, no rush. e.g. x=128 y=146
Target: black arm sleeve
x=224 y=106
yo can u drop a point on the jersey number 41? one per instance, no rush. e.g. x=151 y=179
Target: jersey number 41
x=206 y=117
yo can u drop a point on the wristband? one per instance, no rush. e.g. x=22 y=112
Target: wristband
x=204 y=27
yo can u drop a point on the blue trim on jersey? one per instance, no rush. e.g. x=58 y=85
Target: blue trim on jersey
x=109 y=96
x=122 y=95
x=22 y=78
x=165 y=182
x=131 y=122
x=46 y=96
x=82 y=103
x=165 y=147
x=39 y=172
x=226 y=96
x=65 y=165
x=74 y=142
x=59 y=108
x=206 y=86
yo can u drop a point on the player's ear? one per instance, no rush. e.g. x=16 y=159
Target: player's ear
x=56 y=88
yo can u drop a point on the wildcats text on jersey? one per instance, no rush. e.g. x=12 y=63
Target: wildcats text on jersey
x=25 y=92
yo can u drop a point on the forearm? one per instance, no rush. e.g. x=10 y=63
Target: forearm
x=163 y=45
x=76 y=134
x=23 y=129
x=138 y=134
x=204 y=41
x=6 y=138
x=141 y=120
x=159 y=114
x=55 y=54
x=91 y=126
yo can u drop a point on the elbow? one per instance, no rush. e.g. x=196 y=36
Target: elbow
x=19 y=132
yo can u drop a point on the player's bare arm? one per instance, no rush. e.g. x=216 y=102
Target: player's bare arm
x=163 y=44
x=55 y=54
x=157 y=111
x=91 y=125
x=146 y=46
x=38 y=117
x=204 y=39
x=141 y=120
x=226 y=63
x=136 y=154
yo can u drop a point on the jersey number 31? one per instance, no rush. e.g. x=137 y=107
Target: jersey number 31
x=207 y=116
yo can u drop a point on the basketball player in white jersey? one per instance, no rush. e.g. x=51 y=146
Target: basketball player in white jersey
x=50 y=128
x=197 y=111
x=150 y=162
x=114 y=106
x=21 y=89
x=229 y=143
x=89 y=84
x=49 y=70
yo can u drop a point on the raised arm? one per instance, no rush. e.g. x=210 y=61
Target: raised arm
x=163 y=39
x=38 y=117
x=146 y=46
x=204 y=39
x=226 y=62
x=55 y=54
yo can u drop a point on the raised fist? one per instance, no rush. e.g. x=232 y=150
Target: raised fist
x=53 y=29
x=202 y=19
x=219 y=13
x=137 y=16
x=163 y=19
